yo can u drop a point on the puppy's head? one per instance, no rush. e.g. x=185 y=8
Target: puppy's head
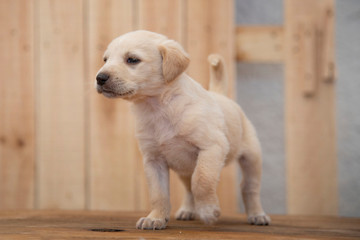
x=140 y=64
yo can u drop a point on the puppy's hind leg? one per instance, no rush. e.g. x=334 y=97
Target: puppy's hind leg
x=250 y=163
x=187 y=209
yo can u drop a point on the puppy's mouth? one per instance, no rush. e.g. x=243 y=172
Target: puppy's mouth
x=111 y=93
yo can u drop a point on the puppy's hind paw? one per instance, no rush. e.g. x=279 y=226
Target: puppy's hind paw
x=261 y=219
x=185 y=215
x=151 y=223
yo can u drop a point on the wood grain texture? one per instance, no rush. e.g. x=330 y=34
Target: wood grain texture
x=210 y=29
x=17 y=127
x=121 y=225
x=308 y=55
x=164 y=17
x=260 y=44
x=310 y=120
x=60 y=104
x=116 y=179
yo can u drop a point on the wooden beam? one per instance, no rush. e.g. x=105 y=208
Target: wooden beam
x=310 y=108
x=259 y=44
x=17 y=119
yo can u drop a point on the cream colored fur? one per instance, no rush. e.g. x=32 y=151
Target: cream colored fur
x=182 y=126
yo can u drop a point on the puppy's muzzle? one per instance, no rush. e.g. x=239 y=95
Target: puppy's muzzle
x=101 y=78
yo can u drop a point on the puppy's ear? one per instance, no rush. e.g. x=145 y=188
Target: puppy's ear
x=175 y=59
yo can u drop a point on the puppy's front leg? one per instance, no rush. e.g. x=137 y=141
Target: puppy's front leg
x=157 y=173
x=204 y=182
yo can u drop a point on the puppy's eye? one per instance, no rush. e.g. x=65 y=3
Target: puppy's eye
x=132 y=60
x=105 y=59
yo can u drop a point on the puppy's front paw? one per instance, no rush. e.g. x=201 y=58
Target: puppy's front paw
x=209 y=213
x=260 y=219
x=151 y=223
x=185 y=214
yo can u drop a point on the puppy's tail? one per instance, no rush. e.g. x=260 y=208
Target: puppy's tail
x=218 y=74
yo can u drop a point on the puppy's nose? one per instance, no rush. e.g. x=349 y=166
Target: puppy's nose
x=101 y=78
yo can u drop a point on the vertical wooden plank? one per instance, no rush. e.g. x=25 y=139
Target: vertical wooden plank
x=164 y=17
x=60 y=104
x=310 y=121
x=114 y=183
x=210 y=29
x=199 y=39
x=168 y=18
x=214 y=32
x=16 y=104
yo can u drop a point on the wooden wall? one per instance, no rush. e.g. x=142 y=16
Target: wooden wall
x=61 y=144
x=64 y=146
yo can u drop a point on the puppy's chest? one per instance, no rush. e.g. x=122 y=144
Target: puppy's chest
x=180 y=155
x=160 y=136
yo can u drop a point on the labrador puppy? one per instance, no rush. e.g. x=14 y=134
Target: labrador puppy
x=181 y=126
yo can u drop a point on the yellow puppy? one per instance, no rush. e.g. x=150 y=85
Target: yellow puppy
x=182 y=126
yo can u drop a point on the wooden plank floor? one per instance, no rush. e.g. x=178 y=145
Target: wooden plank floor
x=121 y=225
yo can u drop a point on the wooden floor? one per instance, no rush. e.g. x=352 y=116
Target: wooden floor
x=121 y=225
